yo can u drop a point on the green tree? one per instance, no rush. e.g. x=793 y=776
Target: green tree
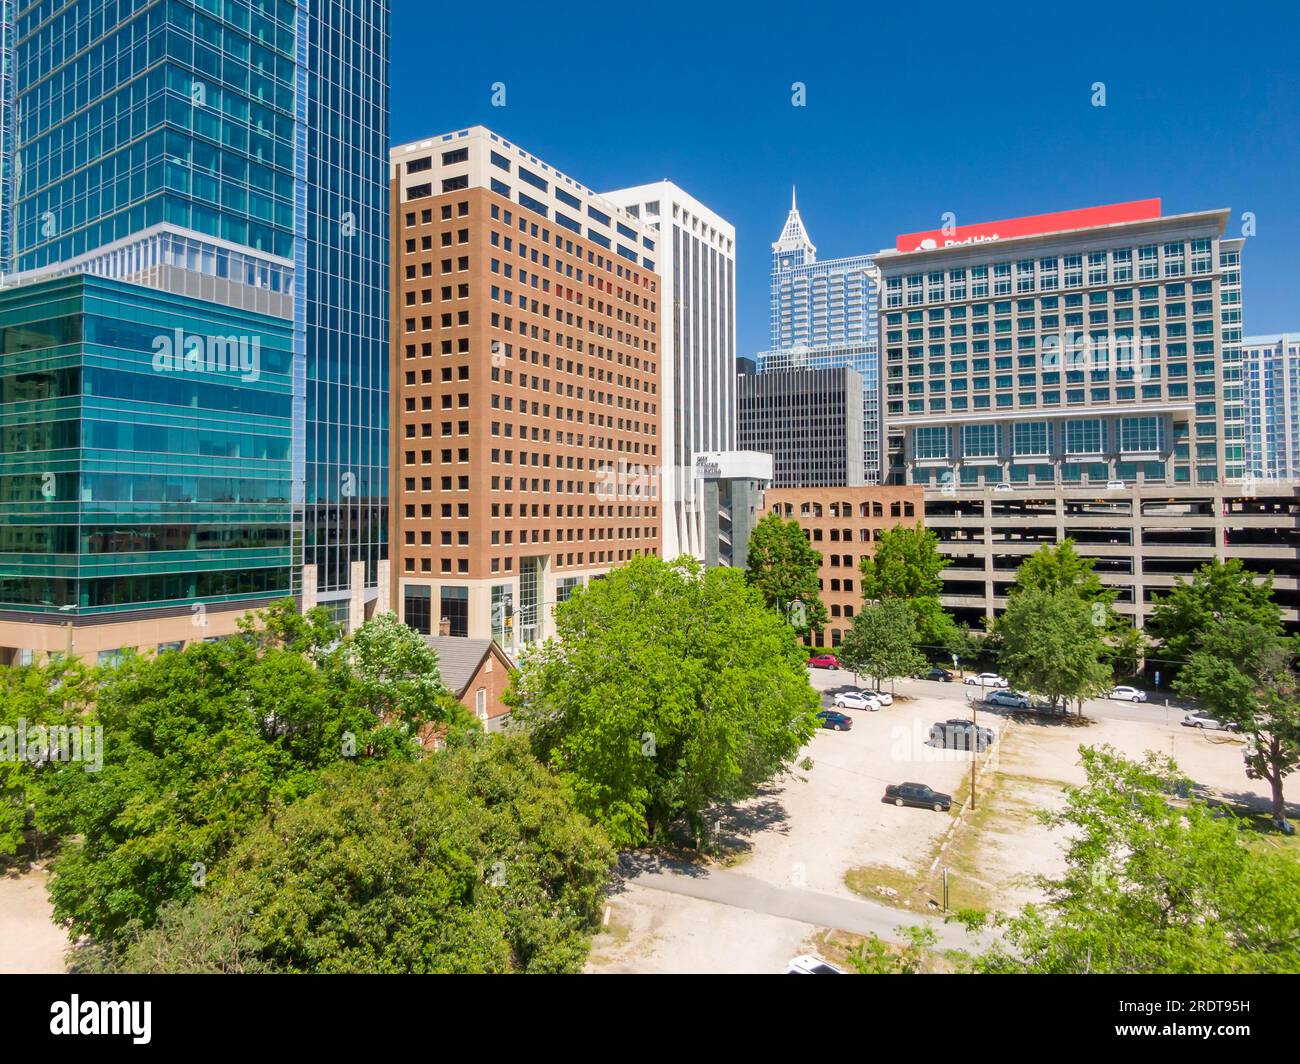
x=1049 y=646
x=906 y=564
x=1246 y=673
x=473 y=860
x=1060 y=568
x=33 y=697
x=1218 y=591
x=784 y=567
x=390 y=671
x=669 y=688
x=1155 y=881
x=881 y=643
x=198 y=744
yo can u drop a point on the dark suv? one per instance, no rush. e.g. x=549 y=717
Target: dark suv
x=957 y=734
x=917 y=794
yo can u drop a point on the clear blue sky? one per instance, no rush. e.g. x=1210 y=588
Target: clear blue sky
x=981 y=110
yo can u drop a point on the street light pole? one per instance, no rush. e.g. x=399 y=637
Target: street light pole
x=975 y=746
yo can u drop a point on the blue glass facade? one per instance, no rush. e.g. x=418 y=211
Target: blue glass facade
x=824 y=315
x=131 y=478
x=345 y=305
x=203 y=172
x=129 y=114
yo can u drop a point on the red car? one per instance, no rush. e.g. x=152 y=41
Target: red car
x=824 y=661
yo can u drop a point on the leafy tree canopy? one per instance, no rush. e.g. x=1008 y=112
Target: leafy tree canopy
x=200 y=743
x=473 y=860
x=1050 y=646
x=669 y=688
x=783 y=566
x=1156 y=881
x=906 y=564
x=1246 y=673
x=1218 y=591
x=882 y=642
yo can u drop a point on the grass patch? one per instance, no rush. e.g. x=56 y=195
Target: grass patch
x=835 y=947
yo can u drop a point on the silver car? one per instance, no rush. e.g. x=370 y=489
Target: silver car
x=1201 y=719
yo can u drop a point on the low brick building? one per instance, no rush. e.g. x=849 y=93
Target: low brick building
x=844 y=524
x=478 y=672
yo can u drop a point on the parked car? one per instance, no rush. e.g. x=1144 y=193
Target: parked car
x=1009 y=699
x=936 y=673
x=883 y=697
x=959 y=734
x=1127 y=694
x=1115 y=485
x=986 y=679
x=835 y=721
x=917 y=794
x=1002 y=486
x=856 y=700
x=824 y=661
x=1201 y=719
x=811 y=965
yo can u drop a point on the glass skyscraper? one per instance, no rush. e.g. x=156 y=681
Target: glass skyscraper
x=194 y=241
x=824 y=315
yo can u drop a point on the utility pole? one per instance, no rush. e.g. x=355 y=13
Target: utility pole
x=975 y=746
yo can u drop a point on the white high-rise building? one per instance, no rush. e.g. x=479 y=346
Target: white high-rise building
x=696 y=253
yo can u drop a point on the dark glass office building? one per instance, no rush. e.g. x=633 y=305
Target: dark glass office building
x=212 y=174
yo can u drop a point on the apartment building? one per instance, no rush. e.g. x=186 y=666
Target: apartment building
x=696 y=250
x=808 y=420
x=824 y=316
x=844 y=524
x=526 y=402
x=1271 y=367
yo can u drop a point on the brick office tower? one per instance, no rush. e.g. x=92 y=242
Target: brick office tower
x=526 y=419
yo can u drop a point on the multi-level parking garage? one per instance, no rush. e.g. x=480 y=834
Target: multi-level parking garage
x=1143 y=538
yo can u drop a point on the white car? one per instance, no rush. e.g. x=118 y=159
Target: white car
x=809 y=964
x=1010 y=699
x=883 y=697
x=1115 y=485
x=1128 y=694
x=1201 y=719
x=856 y=700
x=1003 y=486
x=986 y=679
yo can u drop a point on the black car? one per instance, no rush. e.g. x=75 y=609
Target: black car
x=919 y=795
x=937 y=673
x=956 y=734
x=834 y=720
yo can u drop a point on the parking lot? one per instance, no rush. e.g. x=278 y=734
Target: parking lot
x=826 y=834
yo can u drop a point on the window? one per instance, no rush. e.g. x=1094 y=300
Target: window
x=930 y=442
x=455 y=610
x=979 y=441
x=1085 y=436
x=1031 y=437
x=1141 y=434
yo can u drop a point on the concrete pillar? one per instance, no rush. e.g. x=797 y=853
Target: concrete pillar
x=384 y=603
x=357 y=597
x=309 y=581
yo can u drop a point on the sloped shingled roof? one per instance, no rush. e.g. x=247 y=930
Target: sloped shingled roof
x=459 y=658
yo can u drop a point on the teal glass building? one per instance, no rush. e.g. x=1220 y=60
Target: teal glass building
x=129 y=482
x=211 y=171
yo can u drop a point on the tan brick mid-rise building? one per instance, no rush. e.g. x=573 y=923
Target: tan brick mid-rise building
x=526 y=418
x=844 y=524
